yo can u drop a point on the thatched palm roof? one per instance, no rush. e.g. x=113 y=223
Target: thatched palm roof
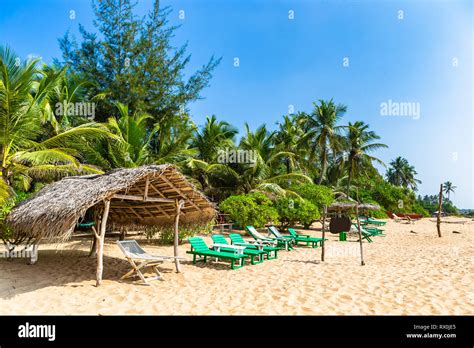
x=53 y=212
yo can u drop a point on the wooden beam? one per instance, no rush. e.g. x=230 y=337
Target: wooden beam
x=140 y=198
x=179 y=205
x=147 y=183
x=180 y=192
x=157 y=191
x=134 y=212
x=100 y=243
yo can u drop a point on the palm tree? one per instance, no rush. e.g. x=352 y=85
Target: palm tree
x=263 y=175
x=133 y=146
x=289 y=140
x=323 y=132
x=359 y=143
x=212 y=137
x=402 y=174
x=25 y=91
x=448 y=187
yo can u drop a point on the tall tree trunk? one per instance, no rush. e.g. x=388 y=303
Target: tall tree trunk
x=349 y=180
x=323 y=166
x=438 y=220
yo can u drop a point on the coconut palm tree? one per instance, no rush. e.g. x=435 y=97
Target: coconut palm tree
x=448 y=187
x=207 y=143
x=402 y=174
x=25 y=155
x=323 y=132
x=289 y=139
x=212 y=137
x=359 y=142
x=264 y=174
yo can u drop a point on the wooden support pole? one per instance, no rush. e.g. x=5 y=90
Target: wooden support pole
x=179 y=205
x=360 y=236
x=324 y=232
x=440 y=207
x=147 y=184
x=100 y=242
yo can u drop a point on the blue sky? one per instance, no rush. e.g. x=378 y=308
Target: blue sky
x=425 y=58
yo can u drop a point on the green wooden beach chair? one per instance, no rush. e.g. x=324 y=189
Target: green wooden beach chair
x=374 y=231
x=200 y=248
x=305 y=238
x=261 y=238
x=370 y=221
x=288 y=241
x=281 y=241
x=365 y=234
x=237 y=239
x=252 y=253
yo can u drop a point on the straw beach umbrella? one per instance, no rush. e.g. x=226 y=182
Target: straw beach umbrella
x=146 y=195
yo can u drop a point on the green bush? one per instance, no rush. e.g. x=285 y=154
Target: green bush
x=251 y=209
x=389 y=197
x=6 y=232
x=165 y=233
x=298 y=210
x=319 y=195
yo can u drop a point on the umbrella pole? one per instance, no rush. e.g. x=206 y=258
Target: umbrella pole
x=324 y=232
x=360 y=236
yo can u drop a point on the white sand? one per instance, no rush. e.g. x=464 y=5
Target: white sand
x=405 y=273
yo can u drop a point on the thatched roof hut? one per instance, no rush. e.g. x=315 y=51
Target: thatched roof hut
x=147 y=195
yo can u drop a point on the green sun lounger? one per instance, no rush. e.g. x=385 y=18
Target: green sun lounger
x=365 y=234
x=374 y=231
x=305 y=238
x=370 y=221
x=283 y=241
x=261 y=238
x=252 y=253
x=200 y=248
x=237 y=239
x=288 y=240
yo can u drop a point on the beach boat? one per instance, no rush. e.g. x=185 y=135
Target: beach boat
x=404 y=216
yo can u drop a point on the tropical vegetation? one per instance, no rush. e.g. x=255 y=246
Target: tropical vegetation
x=133 y=77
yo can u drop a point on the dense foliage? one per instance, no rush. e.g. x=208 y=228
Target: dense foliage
x=132 y=77
x=431 y=204
x=319 y=195
x=254 y=209
x=293 y=211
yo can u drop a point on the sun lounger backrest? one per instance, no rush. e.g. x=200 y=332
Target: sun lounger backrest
x=219 y=239
x=198 y=244
x=293 y=232
x=254 y=232
x=236 y=238
x=275 y=231
x=131 y=247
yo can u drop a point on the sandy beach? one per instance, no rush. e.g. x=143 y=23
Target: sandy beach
x=405 y=273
